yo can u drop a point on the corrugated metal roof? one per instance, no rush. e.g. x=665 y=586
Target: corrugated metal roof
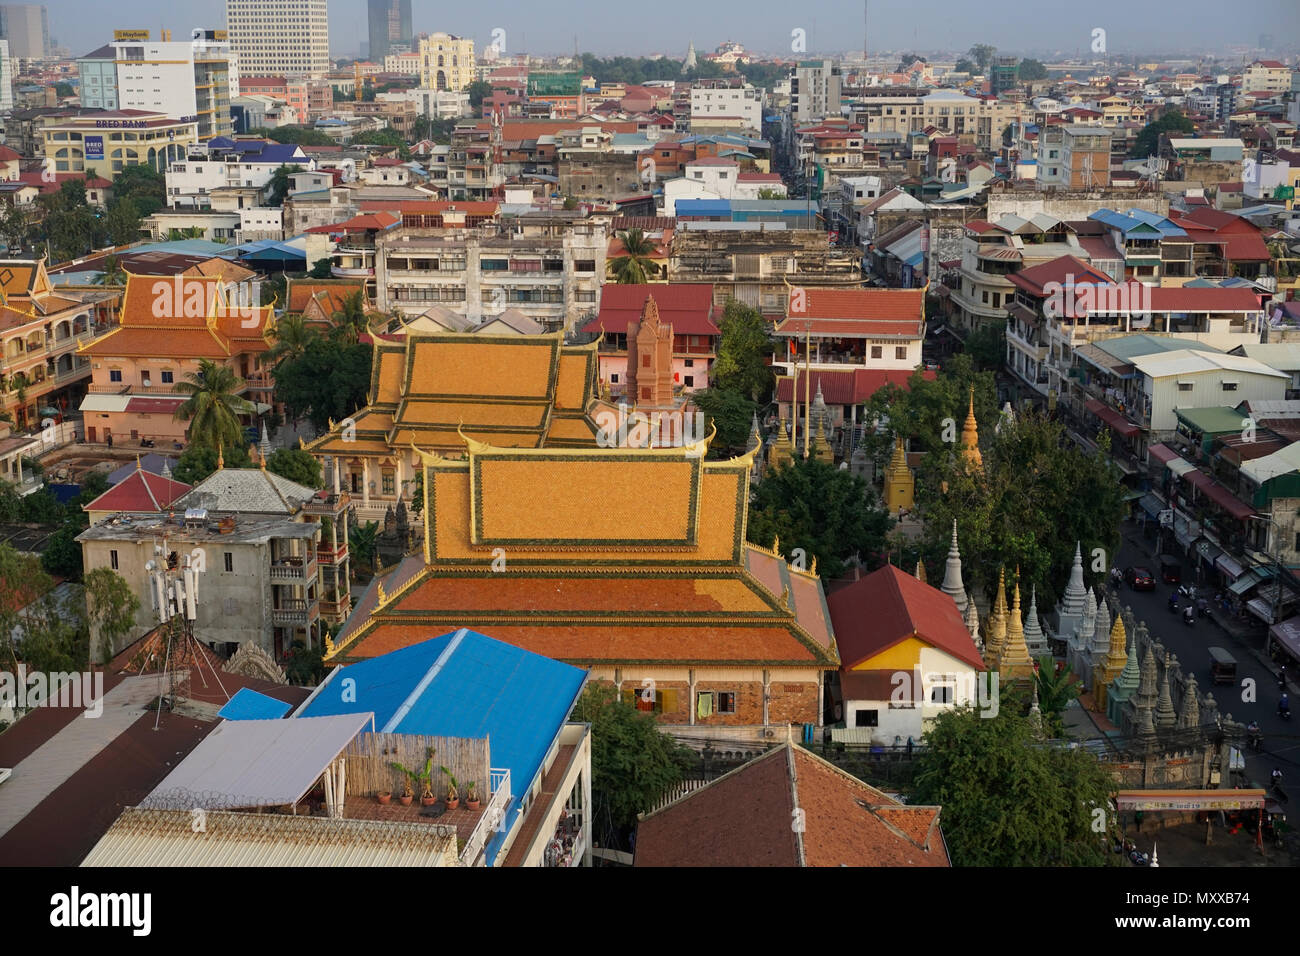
x=1213 y=420
x=1270 y=466
x=1184 y=361
x=1284 y=356
x=143 y=837
x=252 y=763
x=250 y=705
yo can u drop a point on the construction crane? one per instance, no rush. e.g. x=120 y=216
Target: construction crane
x=356 y=81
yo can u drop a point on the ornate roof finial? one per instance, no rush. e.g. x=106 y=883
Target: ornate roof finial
x=221 y=457
x=776 y=545
x=920 y=571
x=953 y=586
x=814 y=566
x=970 y=438
x=137 y=461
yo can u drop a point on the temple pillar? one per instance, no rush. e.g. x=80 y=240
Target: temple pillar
x=690 y=683
x=334 y=470
x=365 y=481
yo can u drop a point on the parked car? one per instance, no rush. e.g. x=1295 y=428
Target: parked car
x=1171 y=569
x=1140 y=579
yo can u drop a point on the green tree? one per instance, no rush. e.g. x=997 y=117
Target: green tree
x=982 y=54
x=362 y=544
x=144 y=186
x=113 y=273
x=111 y=607
x=907 y=59
x=15 y=228
x=1056 y=688
x=306 y=667
x=417 y=493
x=352 y=319
x=743 y=352
x=330 y=380
x=296 y=465
x=632 y=763
x=1008 y=799
x=70 y=232
x=280 y=184
x=731 y=413
x=1032 y=70
x=294 y=135
x=383 y=137
x=1147 y=142
x=1036 y=496
x=827 y=512
x=62 y=554
x=122 y=223
x=198 y=461
x=63 y=89
x=966 y=66
x=478 y=91
x=72 y=193
x=292 y=335
x=635 y=267
x=213 y=408
x=987 y=346
x=321 y=268
x=766 y=193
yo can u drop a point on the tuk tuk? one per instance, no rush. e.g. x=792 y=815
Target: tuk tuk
x=1223 y=666
x=1171 y=569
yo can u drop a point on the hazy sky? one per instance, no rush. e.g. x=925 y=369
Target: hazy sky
x=666 y=26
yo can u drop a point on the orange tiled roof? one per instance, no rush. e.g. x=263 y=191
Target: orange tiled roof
x=328 y=294
x=177 y=343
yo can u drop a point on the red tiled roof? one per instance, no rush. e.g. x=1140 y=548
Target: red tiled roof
x=759 y=178
x=8 y=155
x=155 y=406
x=895 y=304
x=1065 y=270
x=743 y=819
x=687 y=307
x=871 y=328
x=848 y=386
x=888 y=606
x=142 y=491
x=376 y=220
x=1203 y=300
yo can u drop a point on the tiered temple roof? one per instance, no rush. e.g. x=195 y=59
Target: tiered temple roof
x=513 y=391
x=659 y=573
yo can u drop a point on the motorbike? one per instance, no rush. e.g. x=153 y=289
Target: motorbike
x=1189 y=615
x=1255 y=739
x=1173 y=604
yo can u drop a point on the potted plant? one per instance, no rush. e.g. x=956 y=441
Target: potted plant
x=385 y=797
x=453 y=792
x=471 y=795
x=409 y=777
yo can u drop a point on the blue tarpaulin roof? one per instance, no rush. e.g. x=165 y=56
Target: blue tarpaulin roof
x=250 y=705
x=465 y=684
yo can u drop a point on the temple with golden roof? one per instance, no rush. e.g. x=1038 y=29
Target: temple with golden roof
x=512 y=391
x=655 y=590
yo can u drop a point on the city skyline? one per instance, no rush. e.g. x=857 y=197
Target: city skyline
x=763 y=26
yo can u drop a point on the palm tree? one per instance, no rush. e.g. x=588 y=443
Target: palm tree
x=1055 y=691
x=292 y=337
x=361 y=542
x=351 y=320
x=635 y=267
x=213 y=408
x=114 y=273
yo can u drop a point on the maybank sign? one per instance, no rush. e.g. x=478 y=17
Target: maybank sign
x=126 y=35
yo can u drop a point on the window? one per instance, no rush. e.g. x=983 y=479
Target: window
x=866 y=718
x=613 y=378
x=494 y=265
x=1185 y=386
x=167 y=376
x=389 y=479
x=230 y=562
x=689 y=381
x=900 y=352
x=726 y=702
x=112 y=559
x=1229 y=386
x=584 y=265
x=115 y=375
x=665 y=701
x=877 y=351
x=941 y=694
x=690 y=363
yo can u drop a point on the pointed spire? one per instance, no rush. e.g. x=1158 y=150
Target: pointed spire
x=970 y=437
x=995 y=632
x=166 y=469
x=953 y=586
x=1015 y=655
x=221 y=457
x=973 y=626
x=1035 y=640
x=1190 y=715
x=920 y=571
x=1166 y=717
x=264 y=446
x=1098 y=642
x=1072 y=601
x=1036 y=713
x=1117 y=656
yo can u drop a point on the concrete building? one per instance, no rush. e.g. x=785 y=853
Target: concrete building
x=447 y=62
x=6 y=78
x=390 y=28
x=26 y=26
x=106 y=143
x=1266 y=76
x=714 y=101
x=279 y=36
x=97 y=71
x=186 y=80
x=815 y=91
x=1076 y=156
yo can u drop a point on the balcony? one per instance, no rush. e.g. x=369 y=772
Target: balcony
x=294 y=612
x=494 y=817
x=328 y=555
x=340 y=272
x=294 y=570
x=329 y=505
x=1037 y=353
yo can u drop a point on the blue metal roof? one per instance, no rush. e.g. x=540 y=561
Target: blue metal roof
x=250 y=705
x=1162 y=223
x=464 y=684
x=704 y=207
x=1117 y=220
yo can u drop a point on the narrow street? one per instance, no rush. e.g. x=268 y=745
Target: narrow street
x=1281 y=739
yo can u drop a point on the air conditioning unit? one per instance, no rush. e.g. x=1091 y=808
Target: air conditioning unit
x=147 y=382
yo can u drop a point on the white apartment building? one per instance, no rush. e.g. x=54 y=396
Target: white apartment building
x=279 y=37
x=1267 y=76
x=219 y=165
x=711 y=102
x=815 y=91
x=188 y=80
x=406 y=63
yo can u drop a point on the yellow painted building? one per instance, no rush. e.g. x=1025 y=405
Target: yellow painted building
x=105 y=143
x=446 y=62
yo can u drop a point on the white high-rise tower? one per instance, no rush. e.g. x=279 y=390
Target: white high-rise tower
x=279 y=37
